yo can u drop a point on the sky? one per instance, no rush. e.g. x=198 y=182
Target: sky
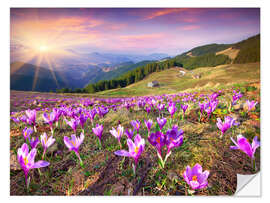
x=129 y=30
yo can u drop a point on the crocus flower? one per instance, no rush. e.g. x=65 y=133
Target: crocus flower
x=27 y=132
x=46 y=143
x=82 y=119
x=213 y=96
x=251 y=105
x=102 y=111
x=202 y=107
x=158 y=140
x=58 y=113
x=73 y=123
x=98 y=130
x=91 y=114
x=118 y=133
x=174 y=138
x=236 y=96
x=148 y=109
x=195 y=177
x=24 y=119
x=129 y=133
x=184 y=107
x=16 y=120
x=31 y=115
x=160 y=107
x=172 y=109
x=224 y=126
x=135 y=150
x=136 y=124
x=161 y=122
x=50 y=119
x=33 y=142
x=244 y=145
x=74 y=143
x=27 y=161
x=148 y=124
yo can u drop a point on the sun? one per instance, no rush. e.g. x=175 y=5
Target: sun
x=43 y=48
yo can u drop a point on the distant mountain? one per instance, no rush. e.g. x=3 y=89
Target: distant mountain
x=121 y=69
x=22 y=76
x=76 y=70
x=210 y=55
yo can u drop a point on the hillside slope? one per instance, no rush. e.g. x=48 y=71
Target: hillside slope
x=171 y=81
x=22 y=77
x=211 y=55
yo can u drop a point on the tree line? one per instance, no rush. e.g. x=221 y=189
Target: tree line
x=131 y=77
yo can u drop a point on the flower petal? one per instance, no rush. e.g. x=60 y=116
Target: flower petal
x=131 y=145
x=41 y=164
x=122 y=153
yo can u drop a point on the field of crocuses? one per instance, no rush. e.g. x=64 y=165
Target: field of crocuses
x=178 y=144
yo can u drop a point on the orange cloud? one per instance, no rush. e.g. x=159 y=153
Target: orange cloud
x=164 y=11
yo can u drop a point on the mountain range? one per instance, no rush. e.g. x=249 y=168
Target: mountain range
x=77 y=72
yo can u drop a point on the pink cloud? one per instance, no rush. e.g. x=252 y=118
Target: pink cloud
x=190 y=27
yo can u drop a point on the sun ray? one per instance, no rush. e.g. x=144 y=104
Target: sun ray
x=18 y=66
x=40 y=57
x=51 y=70
x=63 y=78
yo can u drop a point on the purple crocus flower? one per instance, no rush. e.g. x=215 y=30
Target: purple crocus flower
x=135 y=150
x=148 y=124
x=98 y=130
x=118 y=133
x=74 y=143
x=33 y=142
x=158 y=140
x=27 y=132
x=102 y=111
x=27 y=161
x=184 y=107
x=82 y=119
x=161 y=122
x=16 y=120
x=129 y=133
x=73 y=123
x=224 y=126
x=213 y=96
x=136 y=124
x=58 y=113
x=244 y=145
x=50 y=119
x=236 y=96
x=202 y=107
x=195 y=177
x=148 y=109
x=160 y=107
x=46 y=143
x=31 y=115
x=91 y=114
x=174 y=138
x=172 y=109
x=251 y=105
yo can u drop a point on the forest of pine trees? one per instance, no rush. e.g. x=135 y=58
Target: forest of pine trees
x=131 y=76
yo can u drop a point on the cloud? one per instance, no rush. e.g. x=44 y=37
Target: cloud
x=190 y=27
x=164 y=11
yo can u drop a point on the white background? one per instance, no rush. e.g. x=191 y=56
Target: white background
x=4 y=79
